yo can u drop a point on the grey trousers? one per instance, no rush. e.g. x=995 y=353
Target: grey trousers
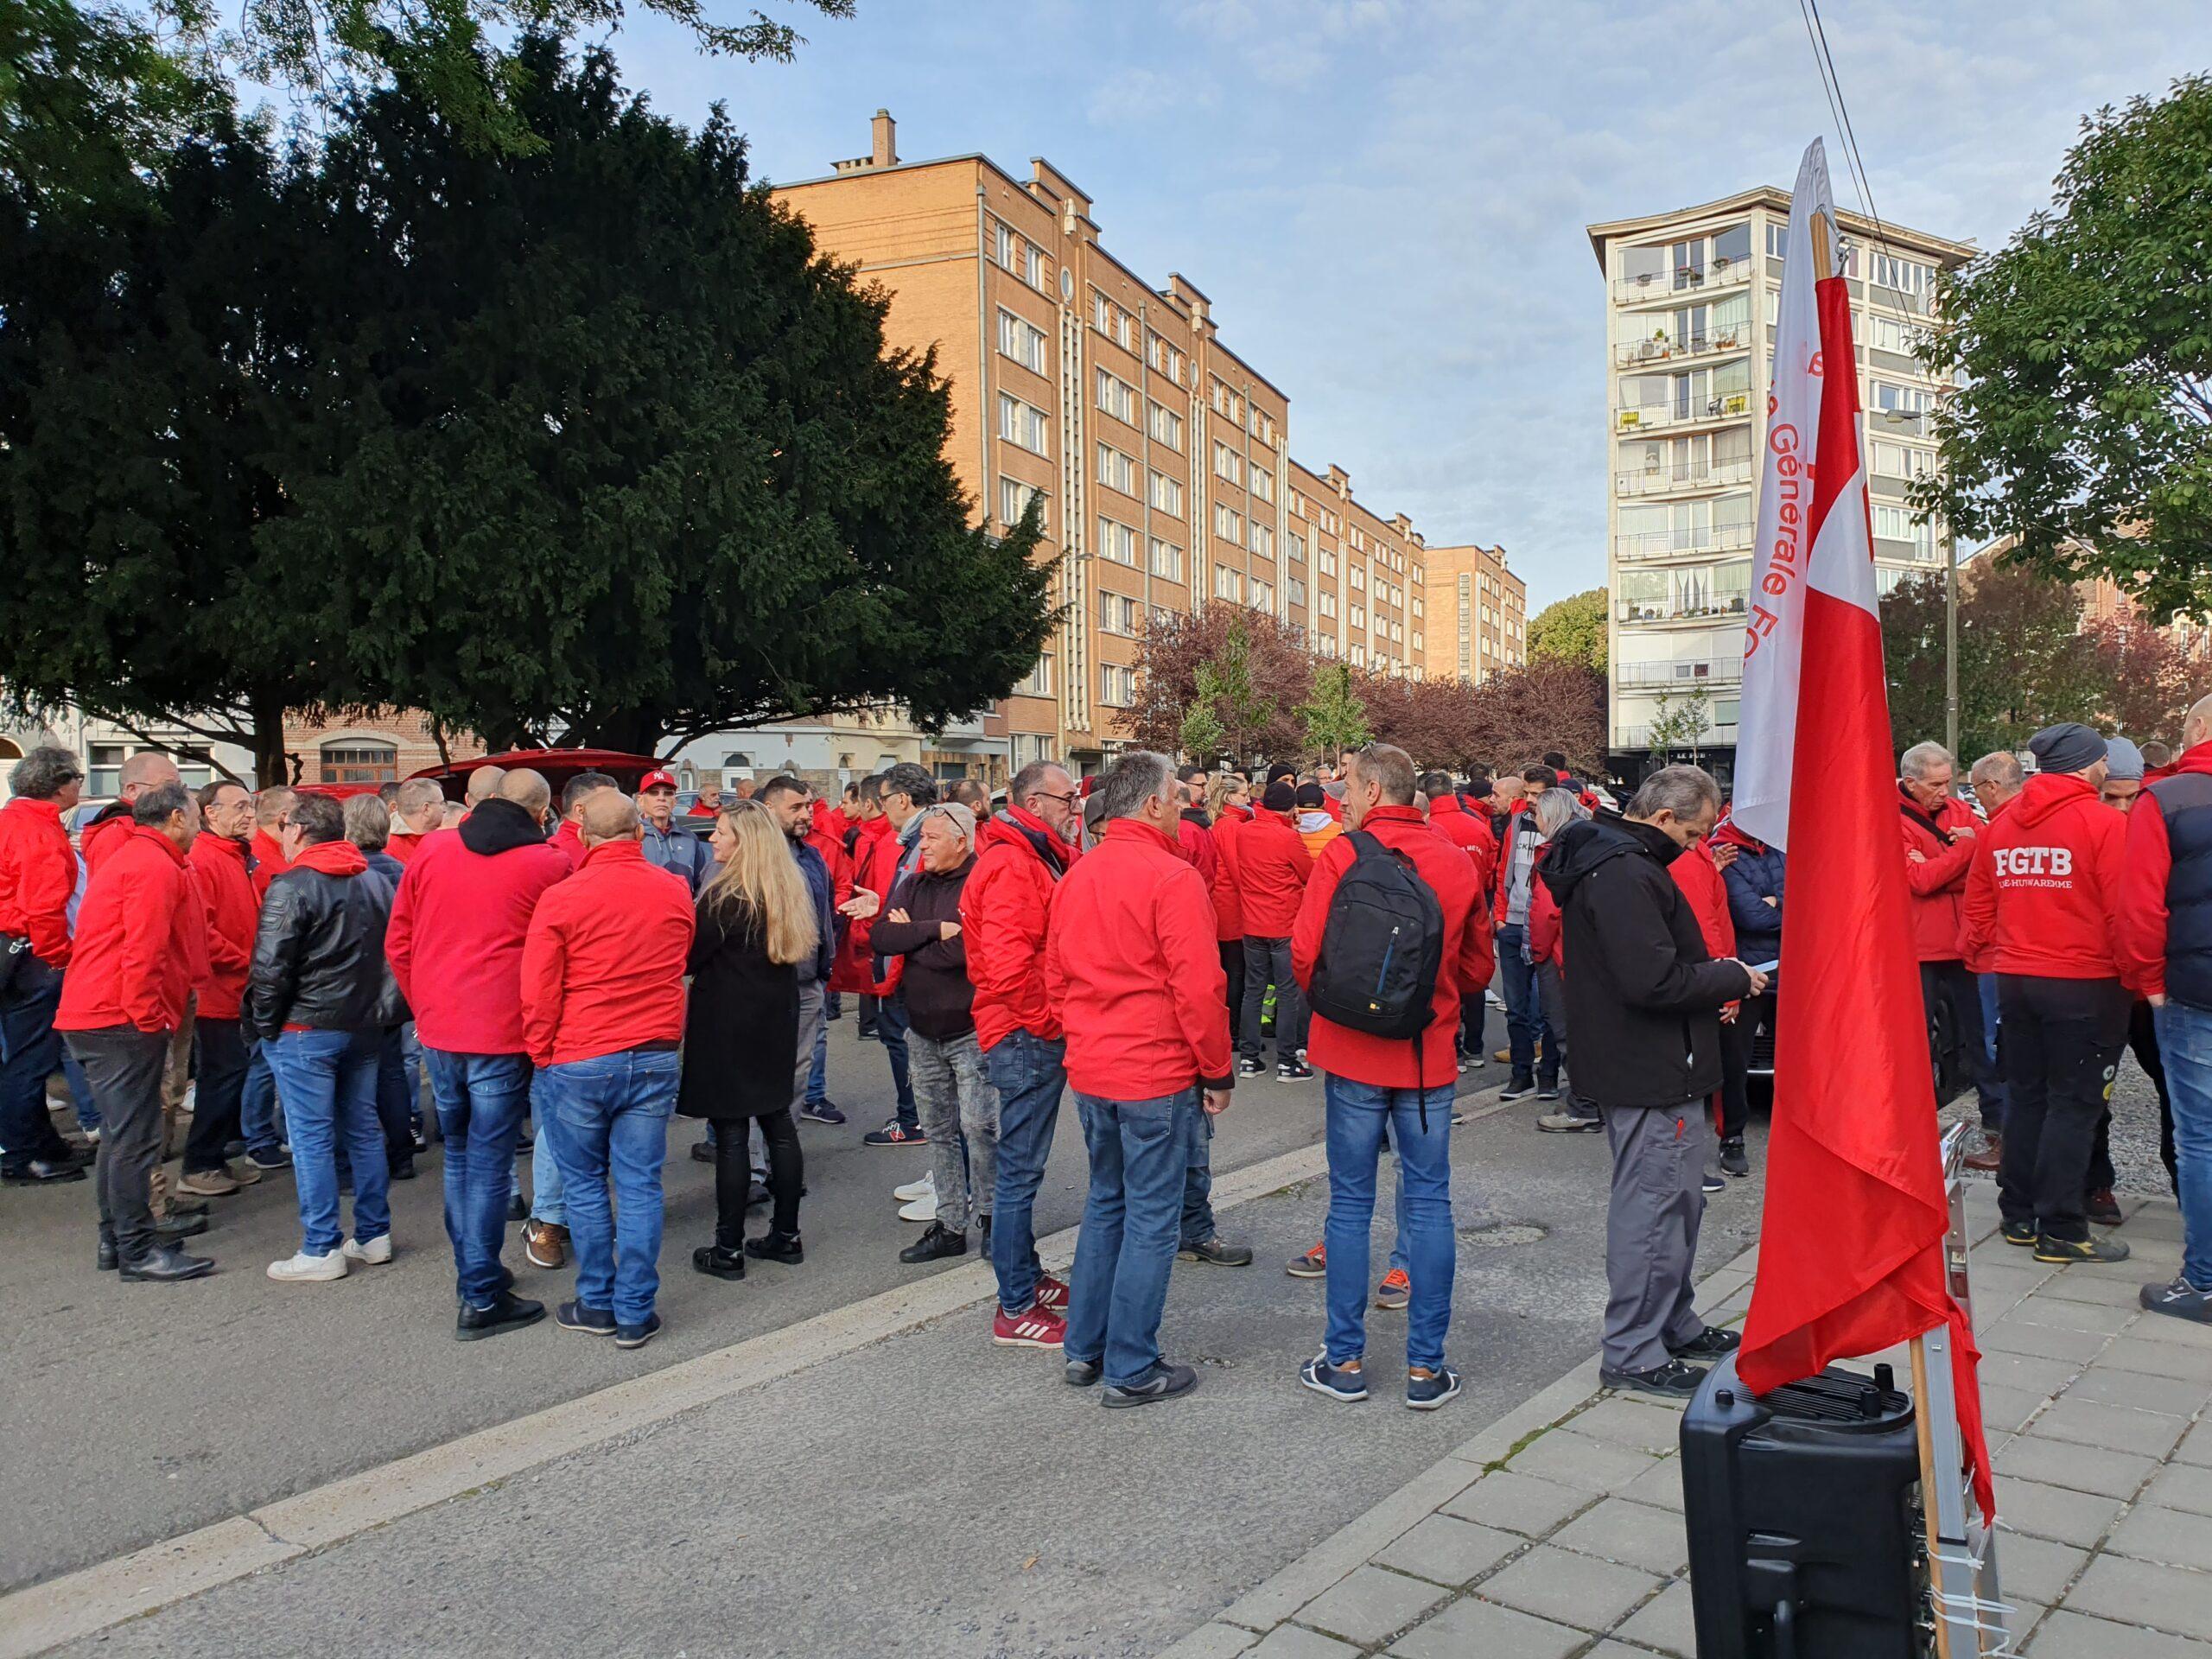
x=1651 y=1223
x=1268 y=962
x=811 y=1016
x=956 y=1104
x=124 y=1065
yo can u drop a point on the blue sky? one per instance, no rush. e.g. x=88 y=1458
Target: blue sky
x=1385 y=198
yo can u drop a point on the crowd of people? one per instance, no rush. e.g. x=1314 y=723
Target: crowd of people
x=1141 y=940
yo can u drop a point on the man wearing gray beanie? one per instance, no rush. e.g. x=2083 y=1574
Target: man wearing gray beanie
x=2123 y=773
x=2040 y=900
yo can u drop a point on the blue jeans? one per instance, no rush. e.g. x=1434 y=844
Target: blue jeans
x=817 y=1073
x=549 y=1195
x=410 y=1058
x=481 y=1100
x=329 y=1080
x=1992 y=1090
x=258 y=1103
x=1358 y=1113
x=1139 y=1152
x=392 y=1097
x=891 y=1025
x=30 y=1050
x=1198 y=1183
x=1028 y=1074
x=80 y=1091
x=2185 y=1043
x=1524 y=1014
x=607 y=1118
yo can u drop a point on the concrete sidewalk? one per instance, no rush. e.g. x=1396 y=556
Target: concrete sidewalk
x=1557 y=1531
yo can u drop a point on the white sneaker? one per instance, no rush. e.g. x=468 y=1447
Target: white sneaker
x=329 y=1265
x=375 y=1252
x=924 y=1188
x=921 y=1209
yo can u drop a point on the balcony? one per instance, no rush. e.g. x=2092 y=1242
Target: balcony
x=1679 y=677
x=1658 y=417
x=1668 y=347
x=1639 y=737
x=1719 y=606
x=1734 y=537
x=1720 y=277
x=1683 y=475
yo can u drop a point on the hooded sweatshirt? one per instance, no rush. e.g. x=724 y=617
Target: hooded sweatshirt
x=2043 y=895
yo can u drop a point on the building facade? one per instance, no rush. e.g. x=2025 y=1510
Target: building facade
x=380 y=746
x=1692 y=298
x=1479 y=613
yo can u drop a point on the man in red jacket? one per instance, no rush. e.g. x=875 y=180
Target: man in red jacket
x=38 y=877
x=1005 y=911
x=827 y=837
x=141 y=943
x=1133 y=974
x=2040 y=911
x=602 y=1013
x=271 y=808
x=1471 y=832
x=1231 y=799
x=1697 y=873
x=417 y=810
x=217 y=862
x=1405 y=1085
x=455 y=944
x=1940 y=831
x=146 y=769
x=1272 y=867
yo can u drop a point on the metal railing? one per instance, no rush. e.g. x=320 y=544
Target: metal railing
x=1665 y=345
x=1686 y=279
x=1670 y=676
x=1639 y=737
x=1660 y=610
x=1682 y=475
x=1731 y=537
x=1650 y=417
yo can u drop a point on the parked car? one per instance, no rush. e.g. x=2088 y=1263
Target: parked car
x=1947 y=1054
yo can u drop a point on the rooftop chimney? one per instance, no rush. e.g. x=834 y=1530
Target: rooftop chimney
x=883 y=141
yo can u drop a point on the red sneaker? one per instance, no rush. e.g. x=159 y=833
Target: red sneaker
x=1052 y=1293
x=1038 y=1328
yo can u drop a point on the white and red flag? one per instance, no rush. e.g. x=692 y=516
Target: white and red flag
x=1851 y=1246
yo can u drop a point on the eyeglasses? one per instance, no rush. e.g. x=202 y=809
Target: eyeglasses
x=1047 y=795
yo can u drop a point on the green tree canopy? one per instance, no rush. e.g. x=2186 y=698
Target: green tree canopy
x=2083 y=425
x=1336 y=718
x=1571 y=630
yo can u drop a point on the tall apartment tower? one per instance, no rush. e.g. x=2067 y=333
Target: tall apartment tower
x=1479 y=622
x=1692 y=298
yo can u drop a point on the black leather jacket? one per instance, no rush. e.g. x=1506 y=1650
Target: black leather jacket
x=318 y=958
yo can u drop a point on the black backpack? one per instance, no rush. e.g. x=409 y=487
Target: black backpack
x=1382 y=946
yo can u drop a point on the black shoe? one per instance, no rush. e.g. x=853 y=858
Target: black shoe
x=592 y=1321
x=1547 y=1090
x=719 y=1263
x=983 y=1244
x=510 y=1313
x=266 y=1162
x=1168 y=1382
x=1212 y=1250
x=1673 y=1379
x=1082 y=1373
x=105 y=1258
x=777 y=1247
x=517 y=1210
x=1293 y=1071
x=2102 y=1208
x=525 y=1140
x=1733 y=1159
x=867 y=1031
x=2022 y=1233
x=1709 y=1344
x=404 y=1169
x=637 y=1335
x=178 y=1227
x=1517 y=1089
x=936 y=1245
x=2079 y=1249
x=188 y=1206
x=43 y=1171
x=421 y=1141
x=165 y=1263
x=1250 y=1067
x=1712 y=1182
x=2180 y=1300
x=702 y=1151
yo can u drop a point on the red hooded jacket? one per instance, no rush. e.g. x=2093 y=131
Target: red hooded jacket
x=853 y=970
x=270 y=863
x=233 y=913
x=141 y=939
x=827 y=838
x=104 y=836
x=38 y=877
x=2042 y=898
x=1707 y=889
x=1390 y=1062
x=2140 y=927
x=1272 y=867
x=603 y=965
x=1006 y=911
x=1938 y=877
x=1133 y=971
x=1469 y=831
x=1228 y=903
x=1194 y=840
x=1546 y=936
x=568 y=842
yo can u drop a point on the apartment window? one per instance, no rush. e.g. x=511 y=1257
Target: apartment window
x=1228 y=464
x=1902 y=459
x=1165 y=493
x=1165 y=426
x=1116 y=470
x=1359 y=578
x=1359 y=655
x=1328 y=604
x=1295 y=590
x=1328 y=561
x=1003 y=246
x=1777 y=239
x=1116 y=542
x=1359 y=616
x=1906 y=276
x=1228 y=583
x=1418 y=576
x=1023 y=423
x=1263 y=539
x=1297 y=548
x=1117 y=397
x=1417 y=606
x=355 y=762
x=1397 y=634
x=1263 y=484
x=1166 y=560
x=1014 y=498
x=1902 y=400
x=1165 y=358
x=1419 y=643
x=1118 y=686
x=104 y=775
x=1228 y=524
x=1033 y=271
x=1889 y=334
x=1263 y=595
x=1102 y=313
x=1039 y=682
x=1022 y=341
x=1896 y=524
x=1118 y=614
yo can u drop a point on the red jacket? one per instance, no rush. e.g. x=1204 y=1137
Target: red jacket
x=1194 y=840
x=403 y=846
x=455 y=940
x=2140 y=927
x=233 y=913
x=1005 y=911
x=2044 y=897
x=827 y=838
x=603 y=965
x=270 y=863
x=1707 y=889
x=1938 y=879
x=1228 y=903
x=1272 y=867
x=104 y=836
x=1547 y=939
x=871 y=868
x=38 y=877
x=568 y=842
x=1390 y=1062
x=141 y=940
x=1469 y=831
x=1133 y=971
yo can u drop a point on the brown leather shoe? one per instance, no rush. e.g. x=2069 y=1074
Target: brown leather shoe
x=209 y=1183
x=1991 y=1154
x=545 y=1244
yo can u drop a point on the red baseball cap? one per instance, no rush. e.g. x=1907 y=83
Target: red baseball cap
x=656 y=780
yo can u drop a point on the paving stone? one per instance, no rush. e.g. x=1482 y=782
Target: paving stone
x=2055 y=1512
x=2117 y=1428
x=1661 y=1486
x=1619 y=1530
x=1665 y=1623
x=2137 y=1592
x=2197 y=1446
x=2176 y=1537
x=1572 y=1589
x=1472 y=1626
x=1287 y=1642
x=1575 y=1459
x=2141 y=1391
x=1517 y=1503
x=2164 y=1327
x=2064 y=1463
x=1216 y=1640
x=2012 y=1336
x=2117 y=1292
x=2068 y=1635
x=2005 y=1409
x=2026 y=1371
x=2135 y=1352
x=2074 y=1315
x=1620 y=1421
x=1448 y=1551
x=2036 y=1568
x=2182 y=1486
x=1368 y=1604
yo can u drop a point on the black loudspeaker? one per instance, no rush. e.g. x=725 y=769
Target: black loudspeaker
x=1804 y=1510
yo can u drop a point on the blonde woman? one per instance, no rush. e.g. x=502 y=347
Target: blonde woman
x=758 y=923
